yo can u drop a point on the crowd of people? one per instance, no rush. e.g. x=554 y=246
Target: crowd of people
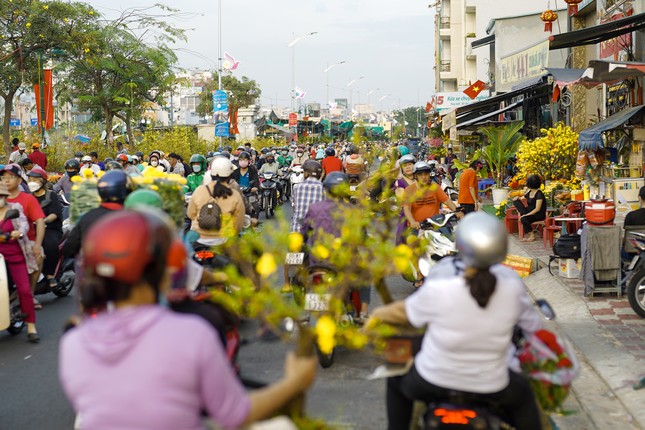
x=125 y=253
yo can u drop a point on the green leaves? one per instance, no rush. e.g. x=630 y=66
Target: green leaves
x=503 y=143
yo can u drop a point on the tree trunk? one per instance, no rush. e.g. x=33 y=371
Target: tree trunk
x=128 y=130
x=6 y=131
x=109 y=117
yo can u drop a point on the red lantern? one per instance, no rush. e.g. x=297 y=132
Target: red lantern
x=548 y=16
x=573 y=6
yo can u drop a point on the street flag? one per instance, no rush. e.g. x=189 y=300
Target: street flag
x=48 y=96
x=474 y=90
x=220 y=114
x=299 y=94
x=428 y=107
x=229 y=62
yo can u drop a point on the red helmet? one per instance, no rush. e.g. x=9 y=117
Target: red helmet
x=127 y=247
x=122 y=157
x=37 y=172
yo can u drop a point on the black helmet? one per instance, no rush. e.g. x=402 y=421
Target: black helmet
x=225 y=154
x=333 y=180
x=113 y=165
x=78 y=154
x=113 y=186
x=330 y=152
x=352 y=150
x=312 y=168
x=244 y=156
x=72 y=163
x=264 y=150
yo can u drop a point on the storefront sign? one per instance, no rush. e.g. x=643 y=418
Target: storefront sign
x=448 y=101
x=523 y=65
x=449 y=120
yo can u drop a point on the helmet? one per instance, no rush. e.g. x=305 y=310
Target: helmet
x=72 y=163
x=244 y=156
x=139 y=154
x=143 y=197
x=409 y=158
x=352 y=150
x=86 y=158
x=122 y=157
x=421 y=166
x=225 y=154
x=481 y=240
x=78 y=154
x=113 y=165
x=135 y=158
x=113 y=186
x=403 y=150
x=198 y=158
x=126 y=246
x=222 y=167
x=312 y=168
x=333 y=180
x=264 y=150
x=330 y=152
x=37 y=172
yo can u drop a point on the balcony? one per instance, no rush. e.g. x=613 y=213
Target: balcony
x=470 y=55
x=444 y=66
x=444 y=23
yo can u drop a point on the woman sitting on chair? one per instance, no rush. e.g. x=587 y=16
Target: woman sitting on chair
x=535 y=209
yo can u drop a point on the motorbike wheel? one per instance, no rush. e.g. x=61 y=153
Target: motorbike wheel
x=65 y=284
x=325 y=360
x=16 y=328
x=636 y=293
x=268 y=208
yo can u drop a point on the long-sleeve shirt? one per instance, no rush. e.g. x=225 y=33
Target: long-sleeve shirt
x=305 y=194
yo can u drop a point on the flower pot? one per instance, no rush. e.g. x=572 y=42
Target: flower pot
x=499 y=195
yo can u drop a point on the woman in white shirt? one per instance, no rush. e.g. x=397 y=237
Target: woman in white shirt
x=470 y=316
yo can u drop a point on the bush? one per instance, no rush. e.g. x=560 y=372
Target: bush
x=552 y=156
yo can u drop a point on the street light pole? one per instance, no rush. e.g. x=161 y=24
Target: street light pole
x=219 y=45
x=369 y=93
x=292 y=45
x=350 y=90
x=327 y=77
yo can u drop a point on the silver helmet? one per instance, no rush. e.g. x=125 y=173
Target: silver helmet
x=422 y=166
x=409 y=158
x=481 y=240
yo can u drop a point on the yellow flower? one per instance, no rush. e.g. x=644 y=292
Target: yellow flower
x=357 y=340
x=177 y=178
x=337 y=243
x=266 y=265
x=46 y=7
x=75 y=187
x=320 y=252
x=325 y=332
x=295 y=242
x=100 y=174
x=76 y=179
x=402 y=257
x=138 y=180
x=28 y=25
x=88 y=173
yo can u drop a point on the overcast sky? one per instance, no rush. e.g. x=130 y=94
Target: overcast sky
x=390 y=43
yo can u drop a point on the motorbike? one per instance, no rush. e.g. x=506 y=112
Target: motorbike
x=635 y=273
x=353 y=181
x=296 y=177
x=11 y=316
x=283 y=179
x=269 y=197
x=64 y=274
x=253 y=199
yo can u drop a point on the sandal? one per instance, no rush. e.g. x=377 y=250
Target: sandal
x=33 y=337
x=53 y=283
x=37 y=304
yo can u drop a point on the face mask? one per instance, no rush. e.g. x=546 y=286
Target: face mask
x=244 y=163
x=197 y=168
x=154 y=163
x=34 y=186
x=270 y=161
x=3 y=201
x=71 y=173
x=299 y=154
x=285 y=152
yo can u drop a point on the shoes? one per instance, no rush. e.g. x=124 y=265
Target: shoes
x=33 y=337
x=362 y=319
x=37 y=304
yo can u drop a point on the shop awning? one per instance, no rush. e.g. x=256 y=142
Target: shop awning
x=480 y=119
x=591 y=138
x=598 y=33
x=599 y=72
x=483 y=41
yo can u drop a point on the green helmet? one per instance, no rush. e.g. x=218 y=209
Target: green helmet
x=143 y=197
x=198 y=159
x=403 y=150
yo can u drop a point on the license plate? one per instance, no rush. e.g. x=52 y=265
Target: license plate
x=317 y=302
x=352 y=188
x=295 y=258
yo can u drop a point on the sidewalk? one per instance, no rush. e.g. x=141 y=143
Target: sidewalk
x=609 y=337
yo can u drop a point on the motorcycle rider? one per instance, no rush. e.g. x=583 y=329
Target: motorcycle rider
x=354 y=163
x=87 y=163
x=300 y=157
x=331 y=163
x=53 y=210
x=405 y=179
x=479 y=307
x=306 y=193
x=113 y=188
x=195 y=179
x=19 y=258
x=270 y=166
x=64 y=184
x=284 y=159
x=105 y=363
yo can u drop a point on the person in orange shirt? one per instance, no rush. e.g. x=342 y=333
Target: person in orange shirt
x=468 y=197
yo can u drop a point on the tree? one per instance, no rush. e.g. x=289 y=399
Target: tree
x=119 y=73
x=410 y=119
x=29 y=29
x=241 y=93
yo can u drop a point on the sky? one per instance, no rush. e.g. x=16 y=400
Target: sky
x=388 y=43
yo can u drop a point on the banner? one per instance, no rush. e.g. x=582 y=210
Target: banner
x=523 y=65
x=48 y=92
x=448 y=101
x=220 y=113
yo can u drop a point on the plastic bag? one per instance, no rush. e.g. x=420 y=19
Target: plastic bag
x=582 y=162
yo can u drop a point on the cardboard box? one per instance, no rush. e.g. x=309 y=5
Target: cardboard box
x=524 y=266
x=569 y=268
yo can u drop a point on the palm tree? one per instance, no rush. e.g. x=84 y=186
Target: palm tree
x=503 y=143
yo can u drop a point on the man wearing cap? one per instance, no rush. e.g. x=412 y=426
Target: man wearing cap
x=12 y=178
x=38 y=157
x=87 y=163
x=18 y=155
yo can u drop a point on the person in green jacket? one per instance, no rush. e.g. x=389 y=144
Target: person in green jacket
x=284 y=159
x=198 y=164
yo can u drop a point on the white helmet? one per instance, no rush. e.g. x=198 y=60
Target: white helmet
x=86 y=158
x=222 y=167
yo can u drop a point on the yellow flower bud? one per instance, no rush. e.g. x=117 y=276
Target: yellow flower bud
x=402 y=257
x=266 y=265
x=320 y=252
x=295 y=242
x=325 y=332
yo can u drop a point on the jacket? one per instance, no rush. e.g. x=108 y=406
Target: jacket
x=232 y=208
x=194 y=180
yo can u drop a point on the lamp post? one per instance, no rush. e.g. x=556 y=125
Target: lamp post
x=327 y=69
x=369 y=93
x=292 y=45
x=349 y=85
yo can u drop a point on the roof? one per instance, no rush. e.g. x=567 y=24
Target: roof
x=597 y=33
x=598 y=72
x=481 y=118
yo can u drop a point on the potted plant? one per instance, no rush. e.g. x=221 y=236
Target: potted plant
x=503 y=143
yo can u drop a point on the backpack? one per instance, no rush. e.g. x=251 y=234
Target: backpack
x=210 y=216
x=567 y=246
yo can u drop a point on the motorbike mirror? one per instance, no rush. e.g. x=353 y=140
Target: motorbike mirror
x=12 y=214
x=545 y=309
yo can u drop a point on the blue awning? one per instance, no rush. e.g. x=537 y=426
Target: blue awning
x=591 y=138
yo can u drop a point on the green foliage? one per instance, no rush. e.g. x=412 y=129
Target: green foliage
x=503 y=143
x=413 y=116
x=242 y=93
